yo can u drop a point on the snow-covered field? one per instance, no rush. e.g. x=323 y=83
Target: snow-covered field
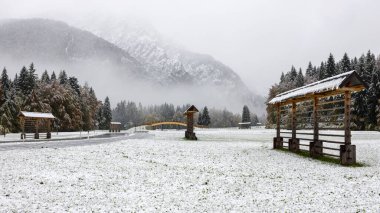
x=226 y=170
x=55 y=135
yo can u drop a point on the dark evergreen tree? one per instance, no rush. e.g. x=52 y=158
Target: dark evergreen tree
x=200 y=119
x=74 y=84
x=300 y=81
x=22 y=81
x=282 y=78
x=345 y=64
x=53 y=77
x=106 y=113
x=5 y=82
x=292 y=74
x=322 y=71
x=205 y=117
x=330 y=67
x=45 y=77
x=372 y=101
x=63 y=77
x=246 y=116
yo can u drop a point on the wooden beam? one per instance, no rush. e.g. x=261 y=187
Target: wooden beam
x=294 y=120
x=278 y=120
x=347 y=117
x=315 y=118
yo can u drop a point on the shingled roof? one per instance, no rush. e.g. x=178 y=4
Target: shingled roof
x=350 y=81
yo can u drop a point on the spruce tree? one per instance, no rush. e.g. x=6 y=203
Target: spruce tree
x=5 y=82
x=53 y=77
x=106 y=113
x=246 y=116
x=200 y=119
x=330 y=67
x=322 y=71
x=73 y=82
x=22 y=81
x=345 y=64
x=372 y=101
x=62 y=77
x=45 y=77
x=205 y=117
x=293 y=74
x=300 y=81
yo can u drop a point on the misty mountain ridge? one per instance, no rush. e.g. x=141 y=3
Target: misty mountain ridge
x=136 y=61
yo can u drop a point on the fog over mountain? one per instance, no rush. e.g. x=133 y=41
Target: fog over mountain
x=125 y=60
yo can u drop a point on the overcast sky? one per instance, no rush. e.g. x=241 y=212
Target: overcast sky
x=258 y=39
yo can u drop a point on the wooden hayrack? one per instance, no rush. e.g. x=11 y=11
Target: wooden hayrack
x=35 y=123
x=115 y=126
x=318 y=107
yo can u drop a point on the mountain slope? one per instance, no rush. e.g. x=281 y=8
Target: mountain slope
x=124 y=63
x=171 y=64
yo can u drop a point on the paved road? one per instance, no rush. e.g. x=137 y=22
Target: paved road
x=108 y=138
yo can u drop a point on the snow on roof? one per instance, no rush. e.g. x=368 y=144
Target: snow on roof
x=37 y=114
x=114 y=122
x=328 y=84
x=191 y=109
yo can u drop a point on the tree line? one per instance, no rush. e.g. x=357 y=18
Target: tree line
x=366 y=105
x=131 y=114
x=75 y=107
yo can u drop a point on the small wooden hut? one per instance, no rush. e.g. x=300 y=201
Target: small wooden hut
x=189 y=113
x=115 y=126
x=323 y=105
x=35 y=123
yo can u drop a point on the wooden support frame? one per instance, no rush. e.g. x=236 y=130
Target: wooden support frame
x=337 y=86
x=35 y=123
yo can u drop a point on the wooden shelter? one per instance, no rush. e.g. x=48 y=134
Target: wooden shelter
x=115 y=126
x=189 y=113
x=321 y=106
x=35 y=123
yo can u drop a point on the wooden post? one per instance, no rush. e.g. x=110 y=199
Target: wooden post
x=347 y=151
x=36 y=134
x=294 y=120
x=347 y=117
x=278 y=141
x=315 y=148
x=315 y=119
x=294 y=144
x=22 y=122
x=48 y=134
x=278 y=120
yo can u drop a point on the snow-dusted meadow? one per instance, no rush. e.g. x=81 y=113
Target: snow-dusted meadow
x=226 y=170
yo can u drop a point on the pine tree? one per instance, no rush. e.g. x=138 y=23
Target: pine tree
x=106 y=113
x=32 y=77
x=45 y=77
x=282 y=78
x=53 y=77
x=200 y=119
x=5 y=82
x=205 y=117
x=293 y=74
x=22 y=81
x=73 y=82
x=300 y=81
x=322 y=71
x=372 y=101
x=345 y=64
x=246 y=116
x=330 y=67
x=62 y=77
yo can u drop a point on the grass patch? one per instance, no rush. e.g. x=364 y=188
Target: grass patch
x=327 y=159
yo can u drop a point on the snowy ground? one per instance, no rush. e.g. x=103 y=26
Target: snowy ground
x=55 y=135
x=226 y=170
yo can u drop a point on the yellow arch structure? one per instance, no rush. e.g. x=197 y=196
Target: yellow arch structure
x=171 y=123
